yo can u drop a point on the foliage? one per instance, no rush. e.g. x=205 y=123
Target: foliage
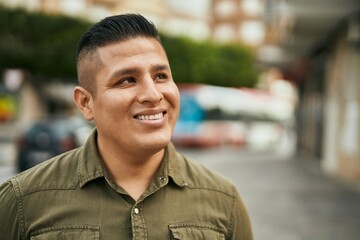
x=46 y=45
x=210 y=63
x=43 y=44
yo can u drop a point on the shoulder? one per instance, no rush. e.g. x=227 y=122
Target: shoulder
x=59 y=172
x=199 y=176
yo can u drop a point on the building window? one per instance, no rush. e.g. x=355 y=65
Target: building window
x=252 y=32
x=225 y=33
x=226 y=8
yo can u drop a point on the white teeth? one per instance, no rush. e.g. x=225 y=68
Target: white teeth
x=150 y=117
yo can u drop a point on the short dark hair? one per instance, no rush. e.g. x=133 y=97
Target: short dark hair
x=107 y=31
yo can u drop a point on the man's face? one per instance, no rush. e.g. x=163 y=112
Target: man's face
x=136 y=103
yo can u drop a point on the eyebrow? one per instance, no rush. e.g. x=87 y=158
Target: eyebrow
x=126 y=71
x=160 y=67
x=131 y=71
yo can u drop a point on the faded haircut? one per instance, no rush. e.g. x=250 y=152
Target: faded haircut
x=109 y=30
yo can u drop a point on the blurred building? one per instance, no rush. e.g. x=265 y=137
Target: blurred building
x=237 y=21
x=221 y=20
x=316 y=44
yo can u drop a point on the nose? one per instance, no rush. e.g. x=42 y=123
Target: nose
x=149 y=92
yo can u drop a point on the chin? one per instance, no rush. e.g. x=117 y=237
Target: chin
x=156 y=145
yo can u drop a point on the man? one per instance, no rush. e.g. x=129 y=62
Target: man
x=127 y=181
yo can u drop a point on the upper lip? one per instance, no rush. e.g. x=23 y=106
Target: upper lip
x=150 y=112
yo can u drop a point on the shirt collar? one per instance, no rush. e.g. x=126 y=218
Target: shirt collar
x=90 y=163
x=176 y=168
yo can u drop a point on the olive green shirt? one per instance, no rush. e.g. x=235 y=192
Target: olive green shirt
x=72 y=197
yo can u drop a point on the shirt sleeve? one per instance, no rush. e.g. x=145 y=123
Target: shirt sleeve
x=240 y=226
x=9 y=223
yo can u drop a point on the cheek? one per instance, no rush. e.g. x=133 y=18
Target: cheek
x=108 y=105
x=173 y=95
x=174 y=101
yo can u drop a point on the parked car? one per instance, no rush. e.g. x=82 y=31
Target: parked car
x=49 y=137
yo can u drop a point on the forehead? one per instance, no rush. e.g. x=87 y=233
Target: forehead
x=138 y=55
x=131 y=49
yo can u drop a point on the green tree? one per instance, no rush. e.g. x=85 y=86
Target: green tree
x=43 y=44
x=210 y=63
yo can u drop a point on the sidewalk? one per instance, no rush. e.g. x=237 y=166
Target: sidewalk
x=294 y=200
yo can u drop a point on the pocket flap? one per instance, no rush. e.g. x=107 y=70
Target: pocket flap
x=67 y=233
x=195 y=232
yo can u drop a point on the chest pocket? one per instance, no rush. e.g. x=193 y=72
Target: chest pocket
x=195 y=232
x=67 y=233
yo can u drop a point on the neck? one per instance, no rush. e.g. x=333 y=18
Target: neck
x=132 y=173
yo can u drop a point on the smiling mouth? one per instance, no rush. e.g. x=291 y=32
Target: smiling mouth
x=151 y=116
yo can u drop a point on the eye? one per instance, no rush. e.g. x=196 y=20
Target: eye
x=161 y=76
x=126 y=81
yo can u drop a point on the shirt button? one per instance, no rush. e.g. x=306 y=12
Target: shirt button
x=136 y=211
x=162 y=179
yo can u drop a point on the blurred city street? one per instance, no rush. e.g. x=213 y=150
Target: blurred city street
x=260 y=82
x=287 y=199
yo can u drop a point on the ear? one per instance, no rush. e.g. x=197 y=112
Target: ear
x=84 y=101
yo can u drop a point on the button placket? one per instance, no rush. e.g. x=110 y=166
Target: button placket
x=138 y=222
